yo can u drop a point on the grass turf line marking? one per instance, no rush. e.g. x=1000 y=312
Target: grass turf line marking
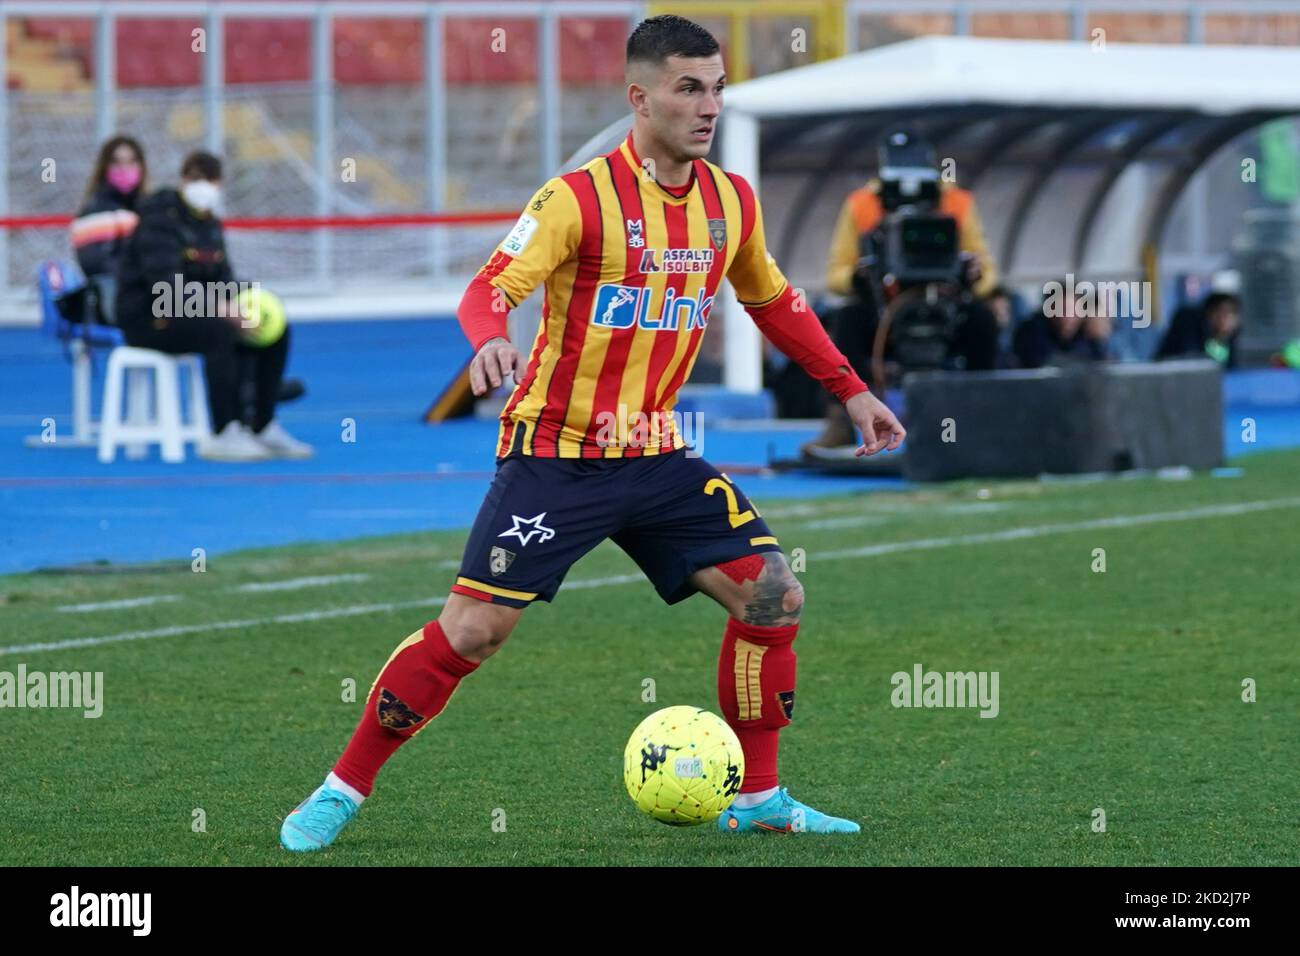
x=115 y=605
x=1043 y=530
x=178 y=630
x=297 y=584
x=916 y=544
x=848 y=521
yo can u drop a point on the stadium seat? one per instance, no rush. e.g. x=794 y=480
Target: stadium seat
x=153 y=404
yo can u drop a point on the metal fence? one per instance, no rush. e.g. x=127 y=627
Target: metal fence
x=430 y=145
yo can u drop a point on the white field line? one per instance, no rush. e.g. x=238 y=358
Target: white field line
x=292 y=584
x=848 y=521
x=180 y=629
x=116 y=605
x=297 y=584
x=1043 y=530
x=802 y=510
x=301 y=617
x=916 y=544
x=880 y=517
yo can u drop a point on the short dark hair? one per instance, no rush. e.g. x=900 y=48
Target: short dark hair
x=202 y=164
x=657 y=38
x=1216 y=299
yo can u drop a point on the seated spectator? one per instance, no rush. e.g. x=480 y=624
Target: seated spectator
x=1207 y=329
x=179 y=242
x=1060 y=335
x=108 y=217
x=1007 y=310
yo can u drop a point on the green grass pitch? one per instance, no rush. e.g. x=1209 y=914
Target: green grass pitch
x=1119 y=690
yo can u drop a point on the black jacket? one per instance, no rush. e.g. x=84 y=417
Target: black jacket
x=1188 y=334
x=1036 y=344
x=170 y=240
x=102 y=228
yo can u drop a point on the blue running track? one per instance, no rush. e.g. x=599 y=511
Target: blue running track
x=60 y=507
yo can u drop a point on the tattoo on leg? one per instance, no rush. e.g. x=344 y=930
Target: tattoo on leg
x=777 y=598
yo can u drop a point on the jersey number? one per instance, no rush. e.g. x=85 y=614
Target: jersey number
x=734 y=515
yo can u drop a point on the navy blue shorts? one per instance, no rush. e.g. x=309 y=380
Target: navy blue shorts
x=672 y=513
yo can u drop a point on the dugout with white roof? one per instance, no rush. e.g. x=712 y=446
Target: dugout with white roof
x=1077 y=152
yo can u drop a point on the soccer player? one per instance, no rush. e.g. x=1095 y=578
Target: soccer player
x=631 y=248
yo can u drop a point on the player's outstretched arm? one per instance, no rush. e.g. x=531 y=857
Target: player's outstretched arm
x=790 y=325
x=495 y=360
x=787 y=321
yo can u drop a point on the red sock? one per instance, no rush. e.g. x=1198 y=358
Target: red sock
x=410 y=691
x=756 y=676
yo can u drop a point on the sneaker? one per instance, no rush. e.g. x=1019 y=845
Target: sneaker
x=281 y=444
x=233 y=443
x=781 y=813
x=318 y=820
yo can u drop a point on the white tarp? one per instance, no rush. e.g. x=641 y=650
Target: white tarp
x=954 y=70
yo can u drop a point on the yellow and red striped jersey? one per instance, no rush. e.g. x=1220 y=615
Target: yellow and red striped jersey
x=630 y=271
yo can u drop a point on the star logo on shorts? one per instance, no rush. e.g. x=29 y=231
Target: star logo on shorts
x=525 y=528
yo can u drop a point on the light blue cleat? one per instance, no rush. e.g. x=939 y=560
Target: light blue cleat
x=781 y=813
x=317 y=820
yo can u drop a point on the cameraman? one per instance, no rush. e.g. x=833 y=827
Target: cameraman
x=858 y=269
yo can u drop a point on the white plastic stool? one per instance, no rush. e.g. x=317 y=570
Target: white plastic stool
x=153 y=404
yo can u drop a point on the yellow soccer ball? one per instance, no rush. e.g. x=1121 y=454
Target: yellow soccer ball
x=683 y=766
x=261 y=314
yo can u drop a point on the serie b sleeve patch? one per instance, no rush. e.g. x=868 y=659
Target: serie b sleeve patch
x=515 y=243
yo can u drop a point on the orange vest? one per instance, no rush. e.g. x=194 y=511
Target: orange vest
x=867 y=211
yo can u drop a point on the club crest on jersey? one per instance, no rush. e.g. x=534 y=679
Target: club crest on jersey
x=718 y=233
x=676 y=260
x=635 y=233
x=625 y=306
x=525 y=528
x=499 y=560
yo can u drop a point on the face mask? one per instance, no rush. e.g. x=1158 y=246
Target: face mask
x=201 y=195
x=123 y=178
